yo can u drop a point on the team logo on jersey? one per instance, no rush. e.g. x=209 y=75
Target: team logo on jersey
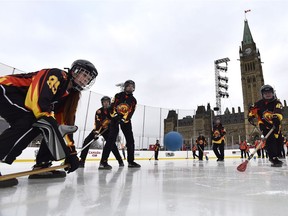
x=216 y=133
x=123 y=108
x=267 y=115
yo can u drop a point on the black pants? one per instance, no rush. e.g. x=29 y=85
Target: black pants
x=259 y=153
x=218 y=150
x=273 y=144
x=90 y=137
x=113 y=133
x=156 y=153
x=243 y=152
x=123 y=152
x=16 y=138
x=194 y=154
x=282 y=151
x=44 y=155
x=201 y=150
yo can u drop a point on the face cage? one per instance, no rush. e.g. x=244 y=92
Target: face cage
x=133 y=86
x=269 y=91
x=82 y=78
x=102 y=102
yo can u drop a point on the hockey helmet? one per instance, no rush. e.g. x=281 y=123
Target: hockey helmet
x=105 y=98
x=267 y=89
x=127 y=83
x=83 y=74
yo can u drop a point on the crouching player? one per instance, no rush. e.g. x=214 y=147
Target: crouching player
x=35 y=103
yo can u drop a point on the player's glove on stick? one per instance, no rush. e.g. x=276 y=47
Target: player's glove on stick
x=251 y=121
x=276 y=123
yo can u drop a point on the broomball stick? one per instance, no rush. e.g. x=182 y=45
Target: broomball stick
x=242 y=167
x=48 y=169
x=31 y=172
x=204 y=153
x=88 y=144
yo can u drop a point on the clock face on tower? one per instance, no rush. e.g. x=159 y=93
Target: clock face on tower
x=248 y=51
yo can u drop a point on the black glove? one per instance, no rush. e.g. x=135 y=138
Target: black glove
x=276 y=123
x=96 y=134
x=251 y=121
x=117 y=117
x=72 y=160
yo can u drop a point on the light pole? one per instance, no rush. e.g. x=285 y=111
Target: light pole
x=221 y=86
x=212 y=116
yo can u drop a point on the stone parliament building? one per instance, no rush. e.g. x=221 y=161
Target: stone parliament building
x=235 y=121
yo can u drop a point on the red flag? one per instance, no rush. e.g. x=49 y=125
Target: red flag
x=246 y=11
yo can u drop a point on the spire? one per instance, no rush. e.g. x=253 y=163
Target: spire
x=208 y=107
x=247 y=36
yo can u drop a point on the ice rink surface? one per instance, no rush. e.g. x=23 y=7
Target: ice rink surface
x=166 y=187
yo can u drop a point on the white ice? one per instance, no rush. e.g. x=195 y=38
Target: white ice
x=166 y=187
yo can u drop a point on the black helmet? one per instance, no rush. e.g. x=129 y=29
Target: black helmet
x=267 y=88
x=105 y=98
x=129 y=82
x=89 y=74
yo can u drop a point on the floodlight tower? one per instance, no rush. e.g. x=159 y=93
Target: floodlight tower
x=221 y=85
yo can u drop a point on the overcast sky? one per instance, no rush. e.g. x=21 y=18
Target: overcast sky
x=167 y=47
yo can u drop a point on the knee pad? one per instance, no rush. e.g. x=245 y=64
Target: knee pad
x=52 y=137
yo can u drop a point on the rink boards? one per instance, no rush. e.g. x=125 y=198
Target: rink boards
x=29 y=154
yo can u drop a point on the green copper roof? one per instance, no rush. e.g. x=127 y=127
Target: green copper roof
x=247 y=36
